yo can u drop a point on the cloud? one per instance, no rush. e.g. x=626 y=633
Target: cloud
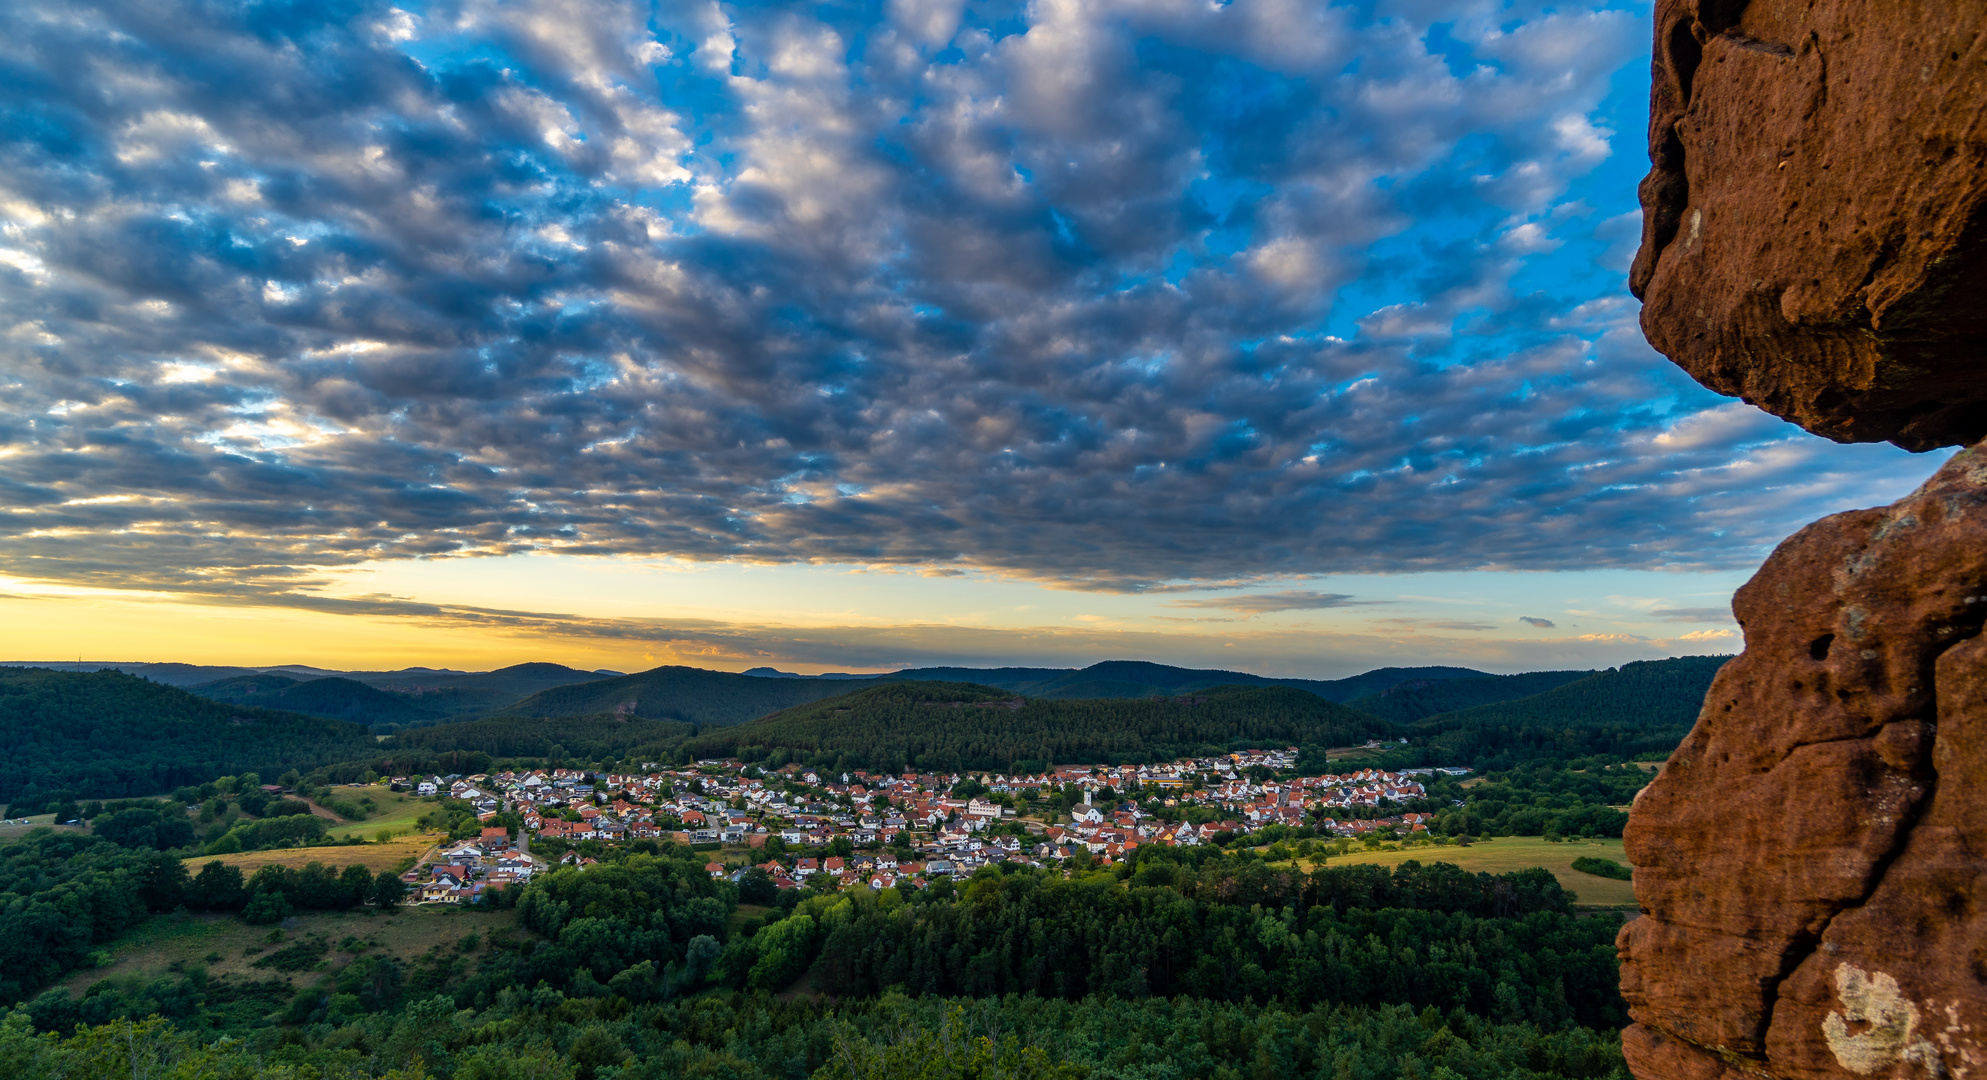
x=1114 y=296
x=1707 y=635
x=1543 y=624
x=1287 y=600
x=1693 y=615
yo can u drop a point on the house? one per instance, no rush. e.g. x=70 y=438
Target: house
x=805 y=867
x=715 y=869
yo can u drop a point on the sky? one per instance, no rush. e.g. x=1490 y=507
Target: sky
x=1273 y=335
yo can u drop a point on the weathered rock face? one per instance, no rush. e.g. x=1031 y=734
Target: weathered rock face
x=1815 y=224
x=1810 y=860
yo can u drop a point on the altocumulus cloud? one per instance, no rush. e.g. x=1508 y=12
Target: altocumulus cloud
x=1108 y=294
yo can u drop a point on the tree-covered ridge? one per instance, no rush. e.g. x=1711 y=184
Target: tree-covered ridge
x=957 y=726
x=1639 y=709
x=1417 y=699
x=110 y=735
x=687 y=694
x=335 y=698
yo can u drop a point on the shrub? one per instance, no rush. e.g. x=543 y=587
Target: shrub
x=1607 y=868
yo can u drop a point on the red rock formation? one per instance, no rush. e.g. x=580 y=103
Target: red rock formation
x=1812 y=850
x=1815 y=224
x=1810 y=861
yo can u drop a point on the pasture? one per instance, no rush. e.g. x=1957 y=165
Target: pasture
x=1504 y=854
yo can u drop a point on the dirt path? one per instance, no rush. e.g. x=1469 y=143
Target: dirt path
x=319 y=811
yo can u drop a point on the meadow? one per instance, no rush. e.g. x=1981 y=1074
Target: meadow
x=1507 y=853
x=395 y=854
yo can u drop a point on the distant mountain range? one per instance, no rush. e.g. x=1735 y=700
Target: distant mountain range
x=106 y=733
x=413 y=697
x=1470 y=712
x=1139 y=678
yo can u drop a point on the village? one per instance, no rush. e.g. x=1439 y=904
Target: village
x=863 y=829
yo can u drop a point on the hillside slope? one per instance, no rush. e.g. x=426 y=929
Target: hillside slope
x=691 y=695
x=948 y=726
x=1641 y=708
x=109 y=735
x=334 y=698
x=1420 y=698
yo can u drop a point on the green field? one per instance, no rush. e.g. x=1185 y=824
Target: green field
x=1506 y=853
x=398 y=811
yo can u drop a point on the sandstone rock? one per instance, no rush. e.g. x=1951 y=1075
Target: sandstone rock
x=1809 y=861
x=1815 y=221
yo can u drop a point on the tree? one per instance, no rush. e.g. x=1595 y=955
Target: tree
x=755 y=886
x=218 y=887
x=357 y=881
x=388 y=890
x=267 y=906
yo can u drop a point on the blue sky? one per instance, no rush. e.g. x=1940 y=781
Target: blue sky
x=1279 y=335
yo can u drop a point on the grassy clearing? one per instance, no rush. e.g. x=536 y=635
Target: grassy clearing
x=39 y=821
x=227 y=946
x=398 y=811
x=374 y=857
x=1507 y=853
x=747 y=911
x=1350 y=757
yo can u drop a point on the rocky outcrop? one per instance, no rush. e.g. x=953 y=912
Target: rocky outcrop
x=1809 y=860
x=1815 y=223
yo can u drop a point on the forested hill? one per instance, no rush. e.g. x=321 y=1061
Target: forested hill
x=950 y=726
x=692 y=695
x=336 y=698
x=1417 y=699
x=111 y=735
x=586 y=738
x=1139 y=678
x=1641 y=708
x=461 y=693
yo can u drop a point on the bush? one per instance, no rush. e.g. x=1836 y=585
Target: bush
x=1607 y=868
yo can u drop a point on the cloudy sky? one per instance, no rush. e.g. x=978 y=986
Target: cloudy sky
x=1272 y=335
